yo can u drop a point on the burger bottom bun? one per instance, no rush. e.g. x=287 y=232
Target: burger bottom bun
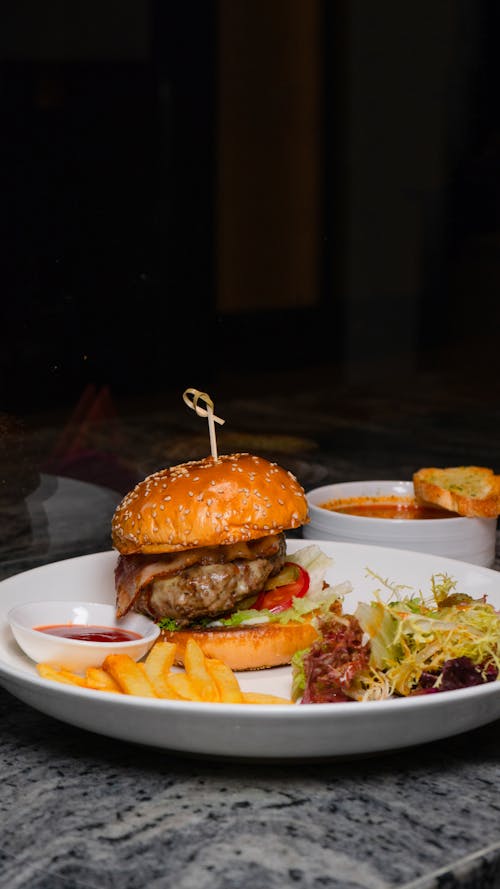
x=249 y=647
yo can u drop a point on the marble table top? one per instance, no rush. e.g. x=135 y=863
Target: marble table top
x=82 y=811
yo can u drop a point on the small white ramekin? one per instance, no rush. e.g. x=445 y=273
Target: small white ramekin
x=77 y=654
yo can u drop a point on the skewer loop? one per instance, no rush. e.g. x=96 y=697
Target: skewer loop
x=192 y=402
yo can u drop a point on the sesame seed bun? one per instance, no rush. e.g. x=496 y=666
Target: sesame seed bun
x=250 y=647
x=208 y=502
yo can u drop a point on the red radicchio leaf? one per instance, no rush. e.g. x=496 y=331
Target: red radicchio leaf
x=459 y=672
x=334 y=661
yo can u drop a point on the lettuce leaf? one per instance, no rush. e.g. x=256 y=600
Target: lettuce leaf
x=316 y=563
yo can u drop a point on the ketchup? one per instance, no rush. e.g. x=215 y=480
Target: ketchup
x=88 y=633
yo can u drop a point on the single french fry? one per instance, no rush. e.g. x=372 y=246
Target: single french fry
x=171 y=693
x=163 y=687
x=59 y=674
x=157 y=665
x=256 y=697
x=162 y=654
x=73 y=677
x=181 y=685
x=128 y=674
x=226 y=681
x=195 y=666
x=101 y=680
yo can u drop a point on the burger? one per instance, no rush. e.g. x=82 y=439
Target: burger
x=202 y=551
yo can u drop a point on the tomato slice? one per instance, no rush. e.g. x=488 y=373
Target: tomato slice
x=281 y=597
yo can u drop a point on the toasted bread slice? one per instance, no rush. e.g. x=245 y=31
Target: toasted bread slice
x=467 y=490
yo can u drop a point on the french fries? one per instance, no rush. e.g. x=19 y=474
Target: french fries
x=225 y=680
x=129 y=676
x=101 y=680
x=58 y=674
x=203 y=679
x=255 y=697
x=157 y=665
x=182 y=687
x=195 y=666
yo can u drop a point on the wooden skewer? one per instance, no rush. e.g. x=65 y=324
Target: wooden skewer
x=192 y=402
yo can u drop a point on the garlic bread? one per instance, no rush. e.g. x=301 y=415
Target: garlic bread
x=467 y=490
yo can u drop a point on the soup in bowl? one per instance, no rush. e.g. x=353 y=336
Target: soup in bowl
x=385 y=513
x=386 y=507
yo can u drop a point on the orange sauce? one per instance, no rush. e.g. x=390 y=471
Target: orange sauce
x=386 y=507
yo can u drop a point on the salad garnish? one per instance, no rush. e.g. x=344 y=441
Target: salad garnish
x=411 y=644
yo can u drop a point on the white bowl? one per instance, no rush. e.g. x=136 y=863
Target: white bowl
x=468 y=539
x=77 y=654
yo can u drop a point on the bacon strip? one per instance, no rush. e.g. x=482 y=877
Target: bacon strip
x=135 y=572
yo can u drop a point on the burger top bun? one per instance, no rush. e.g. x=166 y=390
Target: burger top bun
x=208 y=502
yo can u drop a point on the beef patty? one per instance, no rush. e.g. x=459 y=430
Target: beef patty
x=198 y=583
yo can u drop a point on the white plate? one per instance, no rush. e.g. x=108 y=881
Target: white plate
x=256 y=731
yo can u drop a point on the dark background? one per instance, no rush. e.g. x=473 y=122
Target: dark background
x=200 y=189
